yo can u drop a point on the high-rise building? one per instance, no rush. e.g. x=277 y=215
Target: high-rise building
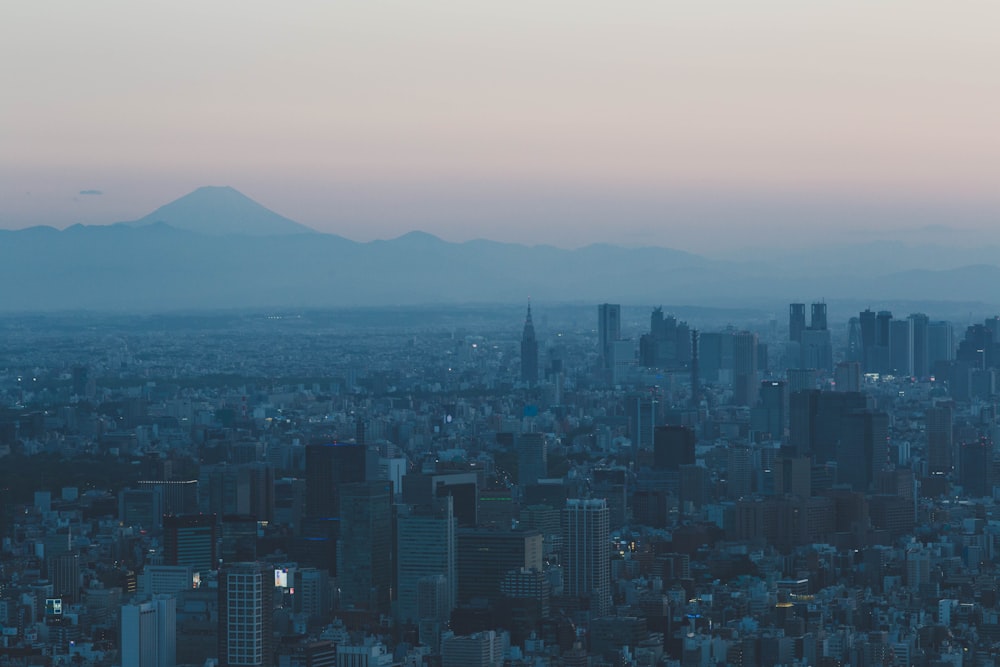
x=239 y=538
x=940 y=438
x=855 y=345
x=847 y=376
x=673 y=446
x=975 y=459
x=328 y=466
x=817 y=317
x=191 y=539
x=532 y=458
x=745 y=380
x=940 y=343
x=426 y=546
x=246 y=606
x=64 y=573
x=423 y=489
x=529 y=351
x=796 y=321
x=482 y=649
x=862 y=451
x=921 y=345
x=486 y=555
x=609 y=330
x=587 y=553
x=364 y=550
x=770 y=415
x=149 y=633
x=901 y=347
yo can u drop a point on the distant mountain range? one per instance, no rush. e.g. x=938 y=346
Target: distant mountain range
x=216 y=248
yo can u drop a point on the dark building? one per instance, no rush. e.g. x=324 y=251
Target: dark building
x=862 y=450
x=770 y=415
x=745 y=379
x=328 y=467
x=974 y=467
x=816 y=421
x=191 y=539
x=796 y=321
x=673 y=446
x=485 y=556
x=529 y=352
x=817 y=317
x=609 y=330
x=239 y=538
x=463 y=487
x=940 y=439
x=365 y=548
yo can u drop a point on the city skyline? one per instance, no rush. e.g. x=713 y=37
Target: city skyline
x=703 y=127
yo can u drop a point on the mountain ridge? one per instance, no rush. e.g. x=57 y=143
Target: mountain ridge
x=154 y=264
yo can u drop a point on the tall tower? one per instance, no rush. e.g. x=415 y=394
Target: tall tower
x=426 y=548
x=149 y=633
x=745 y=382
x=328 y=466
x=246 y=605
x=587 y=561
x=529 y=352
x=940 y=439
x=364 y=550
x=796 y=321
x=695 y=379
x=817 y=317
x=609 y=330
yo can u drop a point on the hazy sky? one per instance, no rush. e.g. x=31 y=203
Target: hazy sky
x=687 y=124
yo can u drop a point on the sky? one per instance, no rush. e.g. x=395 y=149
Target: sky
x=707 y=126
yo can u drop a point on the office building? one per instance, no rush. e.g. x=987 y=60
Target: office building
x=940 y=438
x=586 y=548
x=609 y=330
x=426 y=547
x=529 y=352
x=191 y=539
x=532 y=458
x=673 y=446
x=365 y=548
x=149 y=633
x=796 y=321
x=246 y=606
x=745 y=379
x=486 y=555
x=328 y=467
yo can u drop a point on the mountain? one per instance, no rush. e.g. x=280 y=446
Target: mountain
x=221 y=211
x=216 y=248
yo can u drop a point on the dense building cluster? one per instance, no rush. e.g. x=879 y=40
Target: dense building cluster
x=454 y=489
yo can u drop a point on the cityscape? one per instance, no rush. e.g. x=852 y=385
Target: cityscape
x=533 y=486
x=494 y=334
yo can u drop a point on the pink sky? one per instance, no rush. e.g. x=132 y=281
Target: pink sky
x=672 y=123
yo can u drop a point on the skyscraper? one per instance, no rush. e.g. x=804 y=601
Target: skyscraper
x=191 y=539
x=246 y=605
x=817 y=317
x=529 y=351
x=940 y=439
x=587 y=553
x=745 y=381
x=921 y=345
x=328 y=466
x=426 y=539
x=364 y=550
x=609 y=330
x=532 y=459
x=796 y=321
x=149 y=633
x=901 y=347
x=673 y=446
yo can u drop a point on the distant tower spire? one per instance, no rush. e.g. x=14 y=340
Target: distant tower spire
x=695 y=381
x=529 y=351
